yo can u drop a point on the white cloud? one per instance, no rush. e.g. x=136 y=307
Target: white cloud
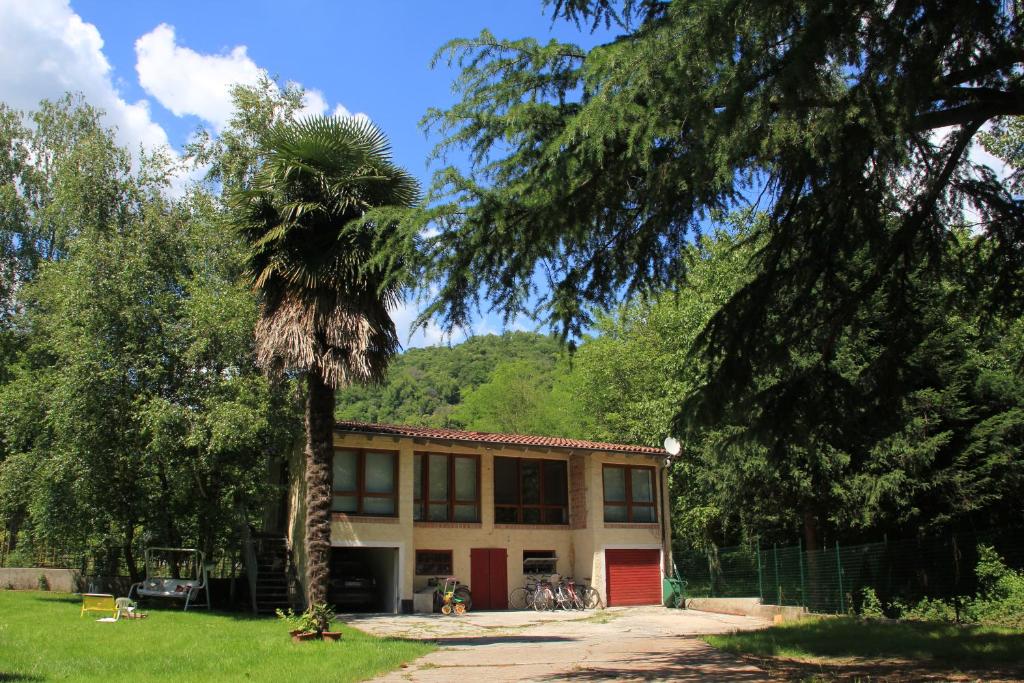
x=46 y=50
x=187 y=82
x=431 y=335
x=340 y=110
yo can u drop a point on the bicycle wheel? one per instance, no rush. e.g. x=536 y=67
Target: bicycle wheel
x=543 y=599
x=463 y=593
x=460 y=608
x=591 y=598
x=446 y=609
x=517 y=598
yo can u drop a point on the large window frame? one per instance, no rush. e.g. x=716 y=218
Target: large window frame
x=360 y=493
x=428 y=559
x=520 y=507
x=628 y=502
x=421 y=494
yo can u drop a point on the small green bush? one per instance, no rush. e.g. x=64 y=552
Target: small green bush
x=1000 y=599
x=999 y=602
x=870 y=605
x=929 y=610
x=44 y=584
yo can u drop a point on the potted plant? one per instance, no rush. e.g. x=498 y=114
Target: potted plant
x=313 y=624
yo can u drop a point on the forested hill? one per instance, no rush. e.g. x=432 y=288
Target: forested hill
x=429 y=386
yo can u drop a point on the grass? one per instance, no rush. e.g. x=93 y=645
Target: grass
x=846 y=647
x=42 y=638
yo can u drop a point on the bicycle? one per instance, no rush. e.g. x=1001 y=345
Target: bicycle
x=452 y=595
x=566 y=595
x=589 y=596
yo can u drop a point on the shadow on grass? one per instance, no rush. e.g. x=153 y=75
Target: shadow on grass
x=5 y=676
x=66 y=598
x=852 y=638
x=851 y=649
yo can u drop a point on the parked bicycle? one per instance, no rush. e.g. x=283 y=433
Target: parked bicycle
x=548 y=593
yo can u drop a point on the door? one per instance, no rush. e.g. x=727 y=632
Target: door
x=634 y=577
x=488 y=568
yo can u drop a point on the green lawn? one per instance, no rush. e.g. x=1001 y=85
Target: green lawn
x=898 y=646
x=42 y=638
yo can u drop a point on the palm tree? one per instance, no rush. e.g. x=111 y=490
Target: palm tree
x=321 y=264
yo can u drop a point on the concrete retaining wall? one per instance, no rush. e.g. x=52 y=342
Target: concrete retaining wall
x=749 y=607
x=27 y=578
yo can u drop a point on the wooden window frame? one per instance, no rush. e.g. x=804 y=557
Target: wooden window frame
x=361 y=493
x=541 y=506
x=451 y=562
x=628 y=503
x=422 y=500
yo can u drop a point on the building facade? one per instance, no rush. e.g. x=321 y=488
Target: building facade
x=414 y=503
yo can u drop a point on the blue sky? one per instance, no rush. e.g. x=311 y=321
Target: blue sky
x=159 y=68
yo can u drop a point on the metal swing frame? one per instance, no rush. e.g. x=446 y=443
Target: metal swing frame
x=174 y=588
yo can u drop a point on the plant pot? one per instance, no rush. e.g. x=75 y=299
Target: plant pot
x=302 y=636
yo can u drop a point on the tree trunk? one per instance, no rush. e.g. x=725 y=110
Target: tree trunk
x=129 y=554
x=319 y=452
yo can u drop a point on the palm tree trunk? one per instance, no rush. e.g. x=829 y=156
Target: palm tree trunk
x=319 y=453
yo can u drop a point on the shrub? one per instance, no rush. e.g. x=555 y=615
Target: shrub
x=44 y=584
x=929 y=609
x=870 y=605
x=1000 y=599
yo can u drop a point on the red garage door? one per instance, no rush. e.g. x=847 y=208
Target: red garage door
x=634 y=577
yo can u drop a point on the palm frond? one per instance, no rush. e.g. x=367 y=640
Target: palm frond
x=318 y=264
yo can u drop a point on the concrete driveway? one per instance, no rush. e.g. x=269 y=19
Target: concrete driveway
x=620 y=643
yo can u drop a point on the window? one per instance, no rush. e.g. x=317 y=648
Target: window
x=529 y=491
x=434 y=562
x=364 y=482
x=629 y=494
x=447 y=487
x=539 y=561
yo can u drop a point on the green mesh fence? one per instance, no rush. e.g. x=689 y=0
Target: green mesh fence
x=832 y=579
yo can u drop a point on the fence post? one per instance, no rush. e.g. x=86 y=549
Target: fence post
x=800 y=558
x=760 y=578
x=839 y=569
x=778 y=586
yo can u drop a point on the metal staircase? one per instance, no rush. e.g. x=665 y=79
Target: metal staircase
x=267 y=561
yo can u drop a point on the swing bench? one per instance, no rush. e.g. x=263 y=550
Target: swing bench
x=175 y=574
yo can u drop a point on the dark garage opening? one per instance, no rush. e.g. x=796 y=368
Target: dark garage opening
x=364 y=580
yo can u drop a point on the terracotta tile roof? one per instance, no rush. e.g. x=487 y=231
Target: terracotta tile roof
x=486 y=437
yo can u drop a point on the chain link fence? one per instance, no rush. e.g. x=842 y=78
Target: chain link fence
x=831 y=579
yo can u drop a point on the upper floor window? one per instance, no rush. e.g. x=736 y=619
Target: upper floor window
x=446 y=487
x=530 y=491
x=629 y=494
x=365 y=482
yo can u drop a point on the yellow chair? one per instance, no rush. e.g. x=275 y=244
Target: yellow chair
x=98 y=602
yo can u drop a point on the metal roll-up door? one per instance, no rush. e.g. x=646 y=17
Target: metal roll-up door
x=634 y=577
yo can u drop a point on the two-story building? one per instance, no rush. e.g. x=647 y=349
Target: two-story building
x=412 y=503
